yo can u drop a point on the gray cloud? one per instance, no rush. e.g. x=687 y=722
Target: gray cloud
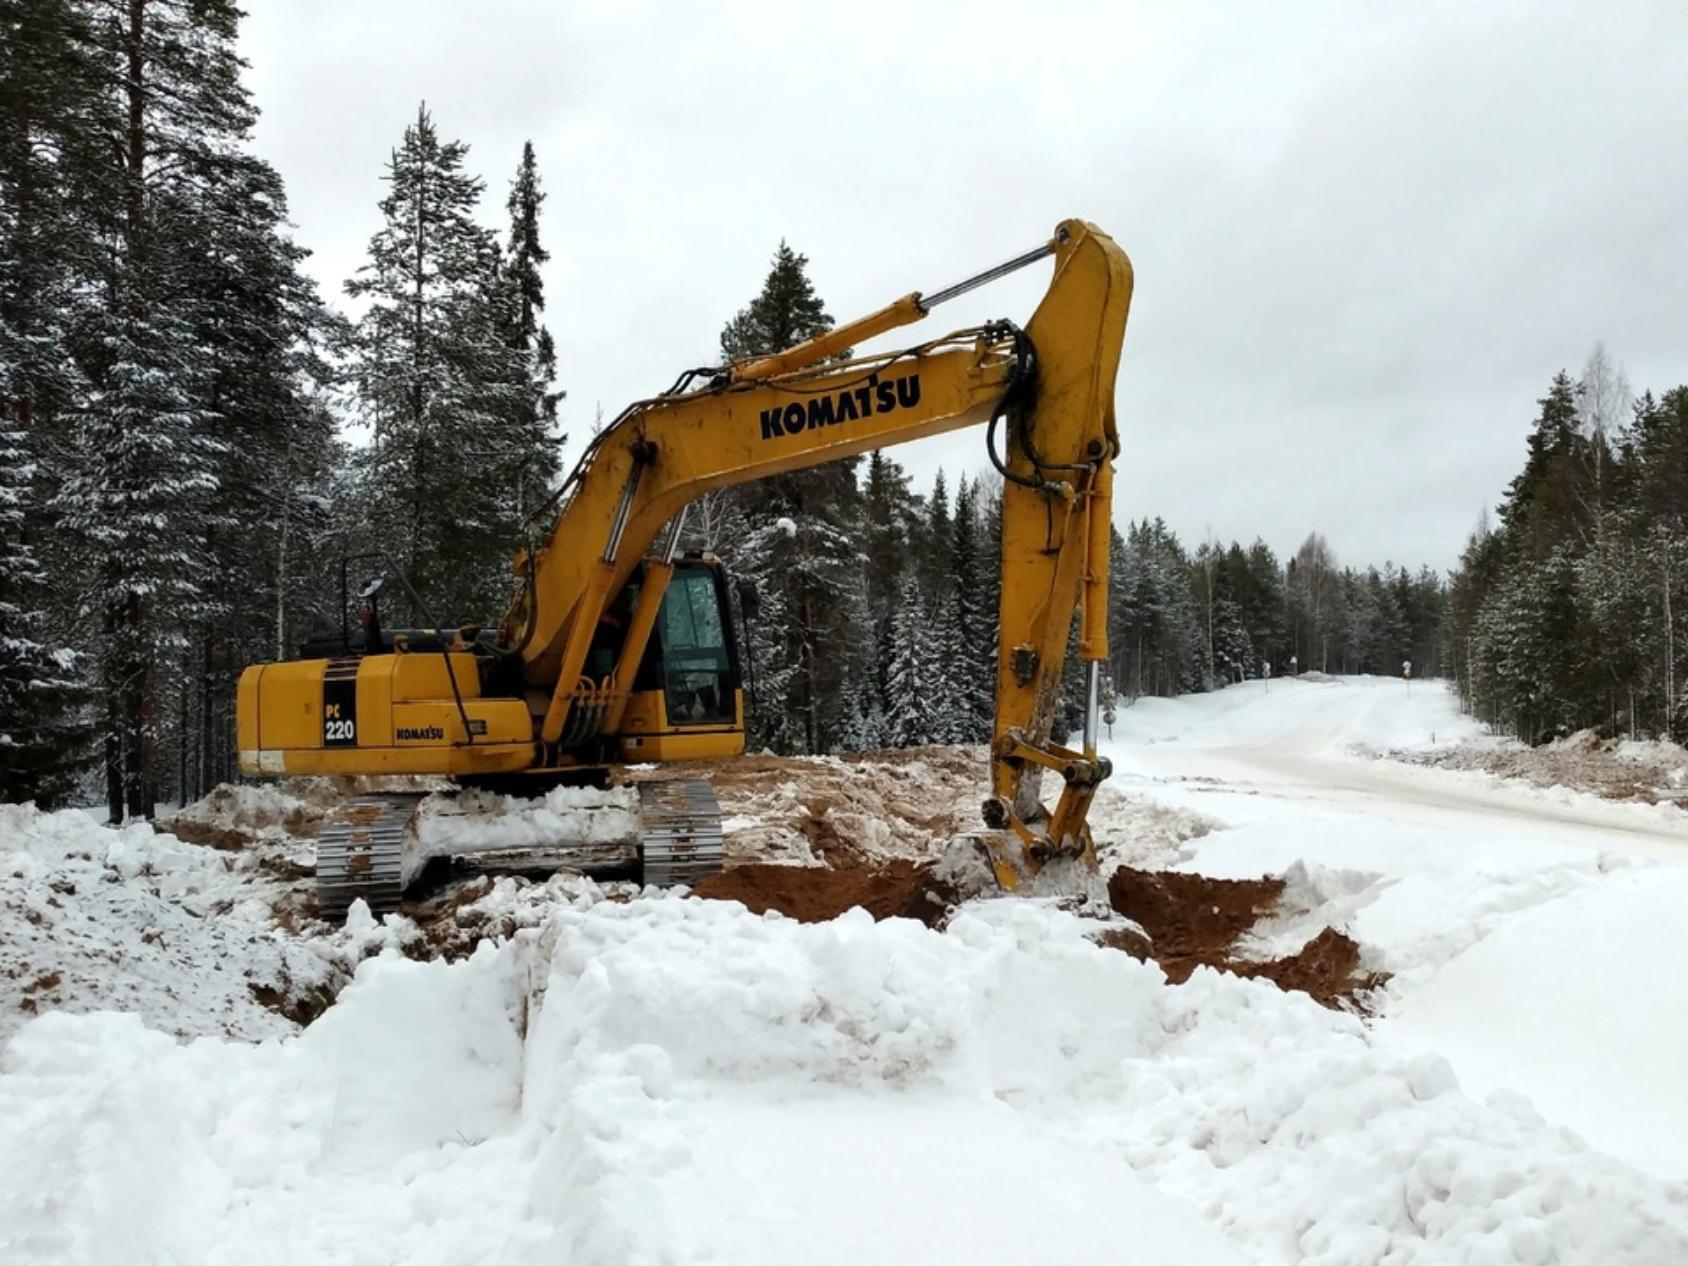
x=1365 y=235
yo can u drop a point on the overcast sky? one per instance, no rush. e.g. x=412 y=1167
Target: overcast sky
x=1365 y=235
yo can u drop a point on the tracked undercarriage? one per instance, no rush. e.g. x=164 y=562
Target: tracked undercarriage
x=377 y=847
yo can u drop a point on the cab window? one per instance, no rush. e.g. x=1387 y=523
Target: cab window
x=697 y=667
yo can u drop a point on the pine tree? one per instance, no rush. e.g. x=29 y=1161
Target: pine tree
x=785 y=313
x=933 y=547
x=43 y=736
x=911 y=717
x=439 y=383
x=535 y=418
x=975 y=623
x=816 y=574
x=141 y=491
x=260 y=330
x=1545 y=502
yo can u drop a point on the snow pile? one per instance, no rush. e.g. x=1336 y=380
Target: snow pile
x=93 y=917
x=237 y=813
x=1647 y=771
x=479 y=820
x=699 y=1084
x=195 y=940
x=1578 y=1003
x=337 y=1146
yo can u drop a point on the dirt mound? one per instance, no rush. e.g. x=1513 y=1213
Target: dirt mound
x=814 y=894
x=1327 y=969
x=233 y=817
x=1193 y=921
x=1190 y=919
x=861 y=809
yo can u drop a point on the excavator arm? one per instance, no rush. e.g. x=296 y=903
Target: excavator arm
x=1048 y=387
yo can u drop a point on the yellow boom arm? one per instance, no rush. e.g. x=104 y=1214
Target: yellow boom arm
x=1052 y=385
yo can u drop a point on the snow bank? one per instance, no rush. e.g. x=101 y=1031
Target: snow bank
x=1579 y=1005
x=700 y=1084
x=335 y=1146
x=96 y=917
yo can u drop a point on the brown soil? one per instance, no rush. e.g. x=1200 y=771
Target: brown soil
x=811 y=807
x=1188 y=921
x=301 y=1008
x=1327 y=969
x=1193 y=921
x=814 y=894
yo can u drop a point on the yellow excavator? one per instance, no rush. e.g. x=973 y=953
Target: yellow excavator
x=618 y=650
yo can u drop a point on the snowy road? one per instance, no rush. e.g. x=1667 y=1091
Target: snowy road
x=1529 y=930
x=1292 y=743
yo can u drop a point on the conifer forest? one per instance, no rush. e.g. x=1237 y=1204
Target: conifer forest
x=193 y=436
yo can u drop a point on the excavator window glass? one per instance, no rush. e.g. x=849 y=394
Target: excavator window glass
x=697 y=665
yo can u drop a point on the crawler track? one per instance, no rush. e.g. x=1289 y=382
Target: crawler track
x=370 y=848
x=360 y=853
x=680 y=831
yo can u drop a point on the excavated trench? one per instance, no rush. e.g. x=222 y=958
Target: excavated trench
x=1186 y=921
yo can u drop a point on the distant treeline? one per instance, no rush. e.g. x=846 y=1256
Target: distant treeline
x=1568 y=613
x=878 y=604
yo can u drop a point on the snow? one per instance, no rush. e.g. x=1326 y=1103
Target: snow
x=1578 y=1004
x=629 y=1077
x=1417 y=863
x=477 y=821
x=97 y=917
x=699 y=1083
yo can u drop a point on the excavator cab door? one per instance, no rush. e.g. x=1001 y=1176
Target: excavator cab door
x=687 y=700
x=694 y=647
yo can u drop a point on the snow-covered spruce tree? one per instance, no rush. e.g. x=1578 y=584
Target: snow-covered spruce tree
x=975 y=622
x=51 y=88
x=911 y=715
x=890 y=515
x=43 y=733
x=951 y=677
x=533 y=424
x=439 y=383
x=138 y=500
x=932 y=544
x=260 y=328
x=140 y=494
x=775 y=716
x=813 y=566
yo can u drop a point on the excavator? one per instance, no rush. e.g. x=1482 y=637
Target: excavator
x=617 y=650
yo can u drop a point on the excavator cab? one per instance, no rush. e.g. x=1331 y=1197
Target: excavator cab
x=687 y=697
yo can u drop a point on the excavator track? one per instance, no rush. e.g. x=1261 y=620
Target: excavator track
x=360 y=853
x=680 y=831
x=370 y=848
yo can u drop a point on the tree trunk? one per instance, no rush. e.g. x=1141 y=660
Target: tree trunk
x=207 y=710
x=281 y=549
